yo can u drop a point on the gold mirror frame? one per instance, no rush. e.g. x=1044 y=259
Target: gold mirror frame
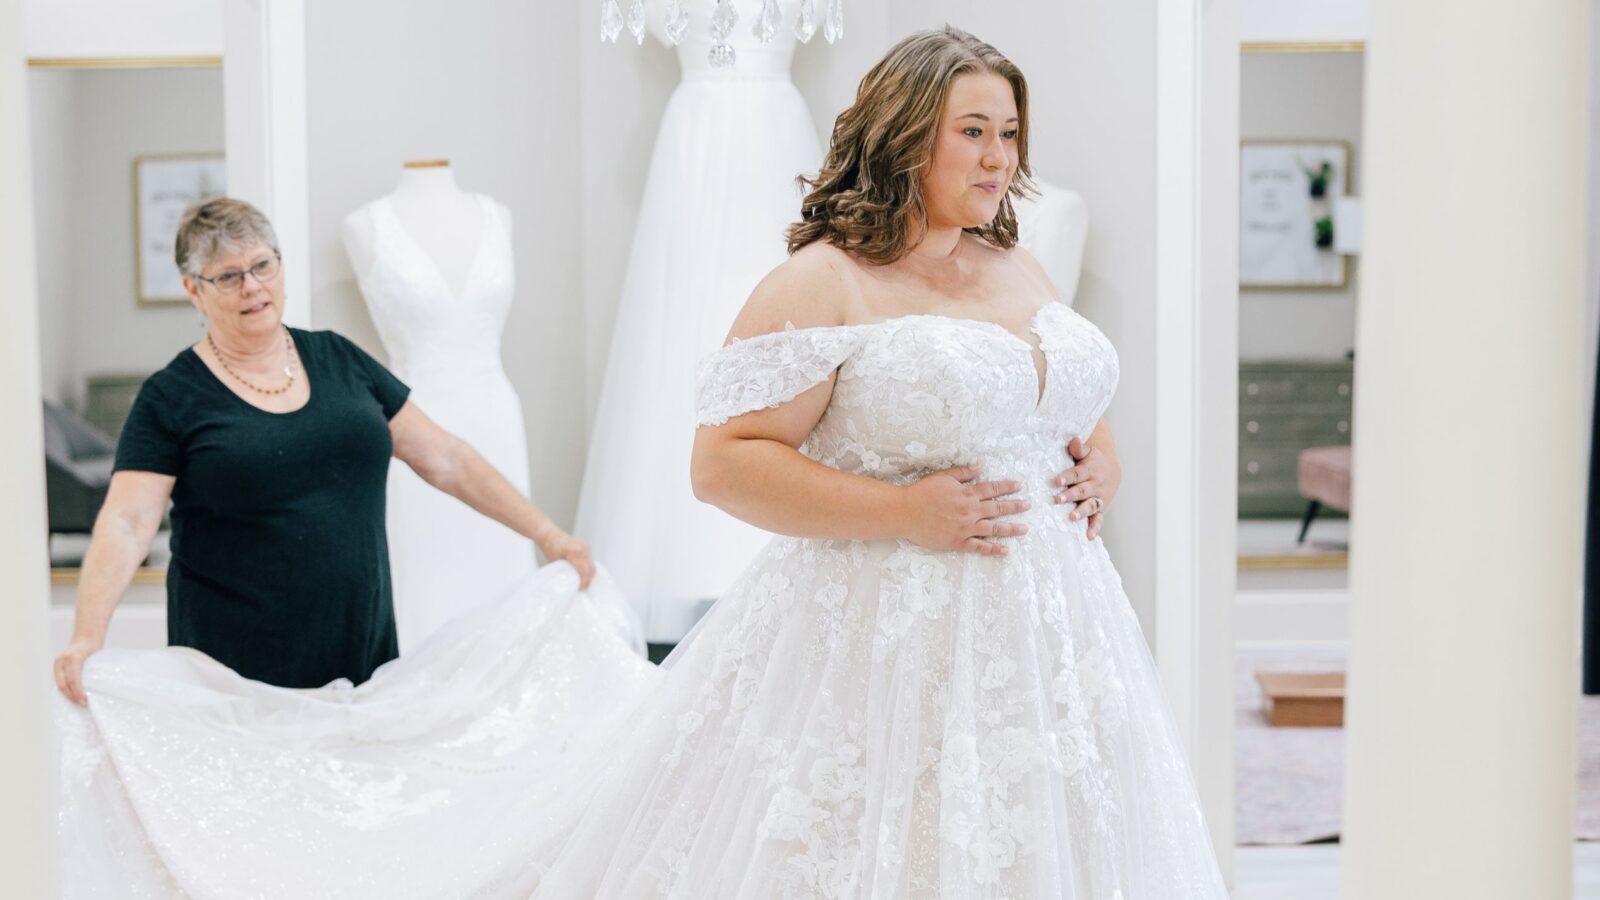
x=1303 y=47
x=123 y=62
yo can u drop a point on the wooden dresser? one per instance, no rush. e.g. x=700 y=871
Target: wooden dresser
x=1286 y=406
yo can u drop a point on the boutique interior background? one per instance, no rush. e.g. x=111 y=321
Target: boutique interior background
x=325 y=101
x=561 y=136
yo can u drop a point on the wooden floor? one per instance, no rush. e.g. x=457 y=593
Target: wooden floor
x=1312 y=872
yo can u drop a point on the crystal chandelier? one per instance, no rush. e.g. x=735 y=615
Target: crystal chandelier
x=723 y=20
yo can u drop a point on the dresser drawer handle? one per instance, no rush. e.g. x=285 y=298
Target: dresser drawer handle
x=1252 y=426
x=1344 y=427
x=1252 y=467
x=1344 y=390
x=1252 y=389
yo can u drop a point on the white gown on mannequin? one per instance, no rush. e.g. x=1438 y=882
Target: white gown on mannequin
x=720 y=194
x=857 y=720
x=445 y=557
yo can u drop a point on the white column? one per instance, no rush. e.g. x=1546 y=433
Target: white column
x=1465 y=540
x=1196 y=377
x=264 y=101
x=1217 y=424
x=27 y=836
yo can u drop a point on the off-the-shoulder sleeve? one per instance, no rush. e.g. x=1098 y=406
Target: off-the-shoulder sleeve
x=769 y=369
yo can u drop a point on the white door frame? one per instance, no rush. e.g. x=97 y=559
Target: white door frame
x=1196 y=382
x=28 y=835
x=264 y=98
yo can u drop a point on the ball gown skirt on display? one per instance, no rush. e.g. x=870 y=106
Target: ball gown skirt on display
x=853 y=719
x=720 y=193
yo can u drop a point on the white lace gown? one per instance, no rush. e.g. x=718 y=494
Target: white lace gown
x=444 y=557
x=854 y=719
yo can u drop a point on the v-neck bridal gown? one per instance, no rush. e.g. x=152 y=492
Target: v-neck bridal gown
x=853 y=720
x=444 y=341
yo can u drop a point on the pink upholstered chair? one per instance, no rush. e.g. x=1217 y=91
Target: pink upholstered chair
x=1325 y=481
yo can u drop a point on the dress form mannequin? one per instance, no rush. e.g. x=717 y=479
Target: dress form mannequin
x=435 y=266
x=444 y=221
x=1053 y=227
x=720 y=194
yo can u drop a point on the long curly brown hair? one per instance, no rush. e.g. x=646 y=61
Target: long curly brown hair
x=868 y=197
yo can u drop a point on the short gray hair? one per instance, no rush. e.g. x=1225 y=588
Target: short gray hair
x=219 y=224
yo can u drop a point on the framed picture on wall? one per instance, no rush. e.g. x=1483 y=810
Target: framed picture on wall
x=163 y=187
x=1286 y=196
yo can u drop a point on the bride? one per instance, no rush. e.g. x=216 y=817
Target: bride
x=931 y=685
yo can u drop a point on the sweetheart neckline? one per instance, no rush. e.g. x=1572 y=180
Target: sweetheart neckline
x=1043 y=375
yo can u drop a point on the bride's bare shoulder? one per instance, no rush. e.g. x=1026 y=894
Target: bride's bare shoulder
x=810 y=289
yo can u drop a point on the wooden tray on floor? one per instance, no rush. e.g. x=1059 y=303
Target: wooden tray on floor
x=1303 y=699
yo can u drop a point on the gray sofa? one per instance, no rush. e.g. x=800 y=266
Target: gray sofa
x=78 y=460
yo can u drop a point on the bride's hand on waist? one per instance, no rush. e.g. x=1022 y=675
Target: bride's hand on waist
x=952 y=510
x=1095 y=476
x=557 y=544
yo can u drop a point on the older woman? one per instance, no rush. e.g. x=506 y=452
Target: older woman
x=273 y=446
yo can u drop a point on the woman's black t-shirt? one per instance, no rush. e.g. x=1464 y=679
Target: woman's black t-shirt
x=280 y=561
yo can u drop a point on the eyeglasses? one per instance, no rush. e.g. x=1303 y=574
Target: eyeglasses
x=231 y=281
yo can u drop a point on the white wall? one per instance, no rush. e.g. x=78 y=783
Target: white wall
x=27 y=816
x=51 y=104
x=491 y=85
x=1303 y=20
x=1301 y=95
x=79 y=28
x=91 y=125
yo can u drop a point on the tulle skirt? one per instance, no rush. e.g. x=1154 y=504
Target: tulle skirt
x=456 y=771
x=720 y=195
x=876 y=720
x=852 y=720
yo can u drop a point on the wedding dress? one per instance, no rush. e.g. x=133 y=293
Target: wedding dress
x=720 y=193
x=444 y=556
x=440 y=777
x=853 y=719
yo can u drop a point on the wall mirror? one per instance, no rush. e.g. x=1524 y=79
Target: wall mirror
x=120 y=146
x=1300 y=121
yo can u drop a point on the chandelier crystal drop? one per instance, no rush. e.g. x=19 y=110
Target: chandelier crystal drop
x=722 y=23
x=805 y=21
x=636 y=20
x=677 y=21
x=768 y=21
x=833 y=25
x=610 y=20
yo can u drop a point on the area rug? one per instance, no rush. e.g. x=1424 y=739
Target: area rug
x=1289 y=782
